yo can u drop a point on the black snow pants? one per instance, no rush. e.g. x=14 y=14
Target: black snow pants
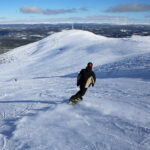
x=80 y=93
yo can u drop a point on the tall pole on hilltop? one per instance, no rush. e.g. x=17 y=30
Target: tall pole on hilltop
x=72 y=26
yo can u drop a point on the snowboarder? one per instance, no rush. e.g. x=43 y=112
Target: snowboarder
x=85 y=78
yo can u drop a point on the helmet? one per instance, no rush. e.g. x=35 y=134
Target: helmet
x=90 y=64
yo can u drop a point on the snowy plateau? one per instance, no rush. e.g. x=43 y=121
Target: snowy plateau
x=37 y=80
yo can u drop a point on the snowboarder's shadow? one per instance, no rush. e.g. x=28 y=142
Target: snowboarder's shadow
x=34 y=101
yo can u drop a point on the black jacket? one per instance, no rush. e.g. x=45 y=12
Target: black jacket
x=86 y=77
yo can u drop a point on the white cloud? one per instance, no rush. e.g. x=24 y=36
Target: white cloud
x=31 y=9
x=147 y=16
x=83 y=9
x=58 y=11
x=34 y=9
x=133 y=7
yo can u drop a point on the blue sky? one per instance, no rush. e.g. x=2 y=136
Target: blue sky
x=76 y=11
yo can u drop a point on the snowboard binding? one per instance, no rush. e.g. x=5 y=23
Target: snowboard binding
x=74 y=100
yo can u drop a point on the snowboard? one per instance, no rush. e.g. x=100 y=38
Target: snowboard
x=74 y=101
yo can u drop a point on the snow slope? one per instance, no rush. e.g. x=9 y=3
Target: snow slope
x=37 y=80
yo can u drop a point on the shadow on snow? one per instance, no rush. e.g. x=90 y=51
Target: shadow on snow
x=131 y=67
x=12 y=121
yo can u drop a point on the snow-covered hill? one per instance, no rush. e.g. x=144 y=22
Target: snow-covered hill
x=37 y=80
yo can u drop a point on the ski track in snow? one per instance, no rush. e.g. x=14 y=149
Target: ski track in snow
x=114 y=115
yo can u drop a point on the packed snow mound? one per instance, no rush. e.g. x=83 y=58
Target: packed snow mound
x=56 y=54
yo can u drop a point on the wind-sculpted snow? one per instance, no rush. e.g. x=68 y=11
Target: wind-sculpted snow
x=37 y=83
x=131 y=67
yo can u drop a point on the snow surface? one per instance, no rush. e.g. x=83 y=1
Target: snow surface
x=37 y=80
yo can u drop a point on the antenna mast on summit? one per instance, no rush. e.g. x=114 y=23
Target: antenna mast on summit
x=72 y=26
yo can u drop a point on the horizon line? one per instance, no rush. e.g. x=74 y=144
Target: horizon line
x=74 y=23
